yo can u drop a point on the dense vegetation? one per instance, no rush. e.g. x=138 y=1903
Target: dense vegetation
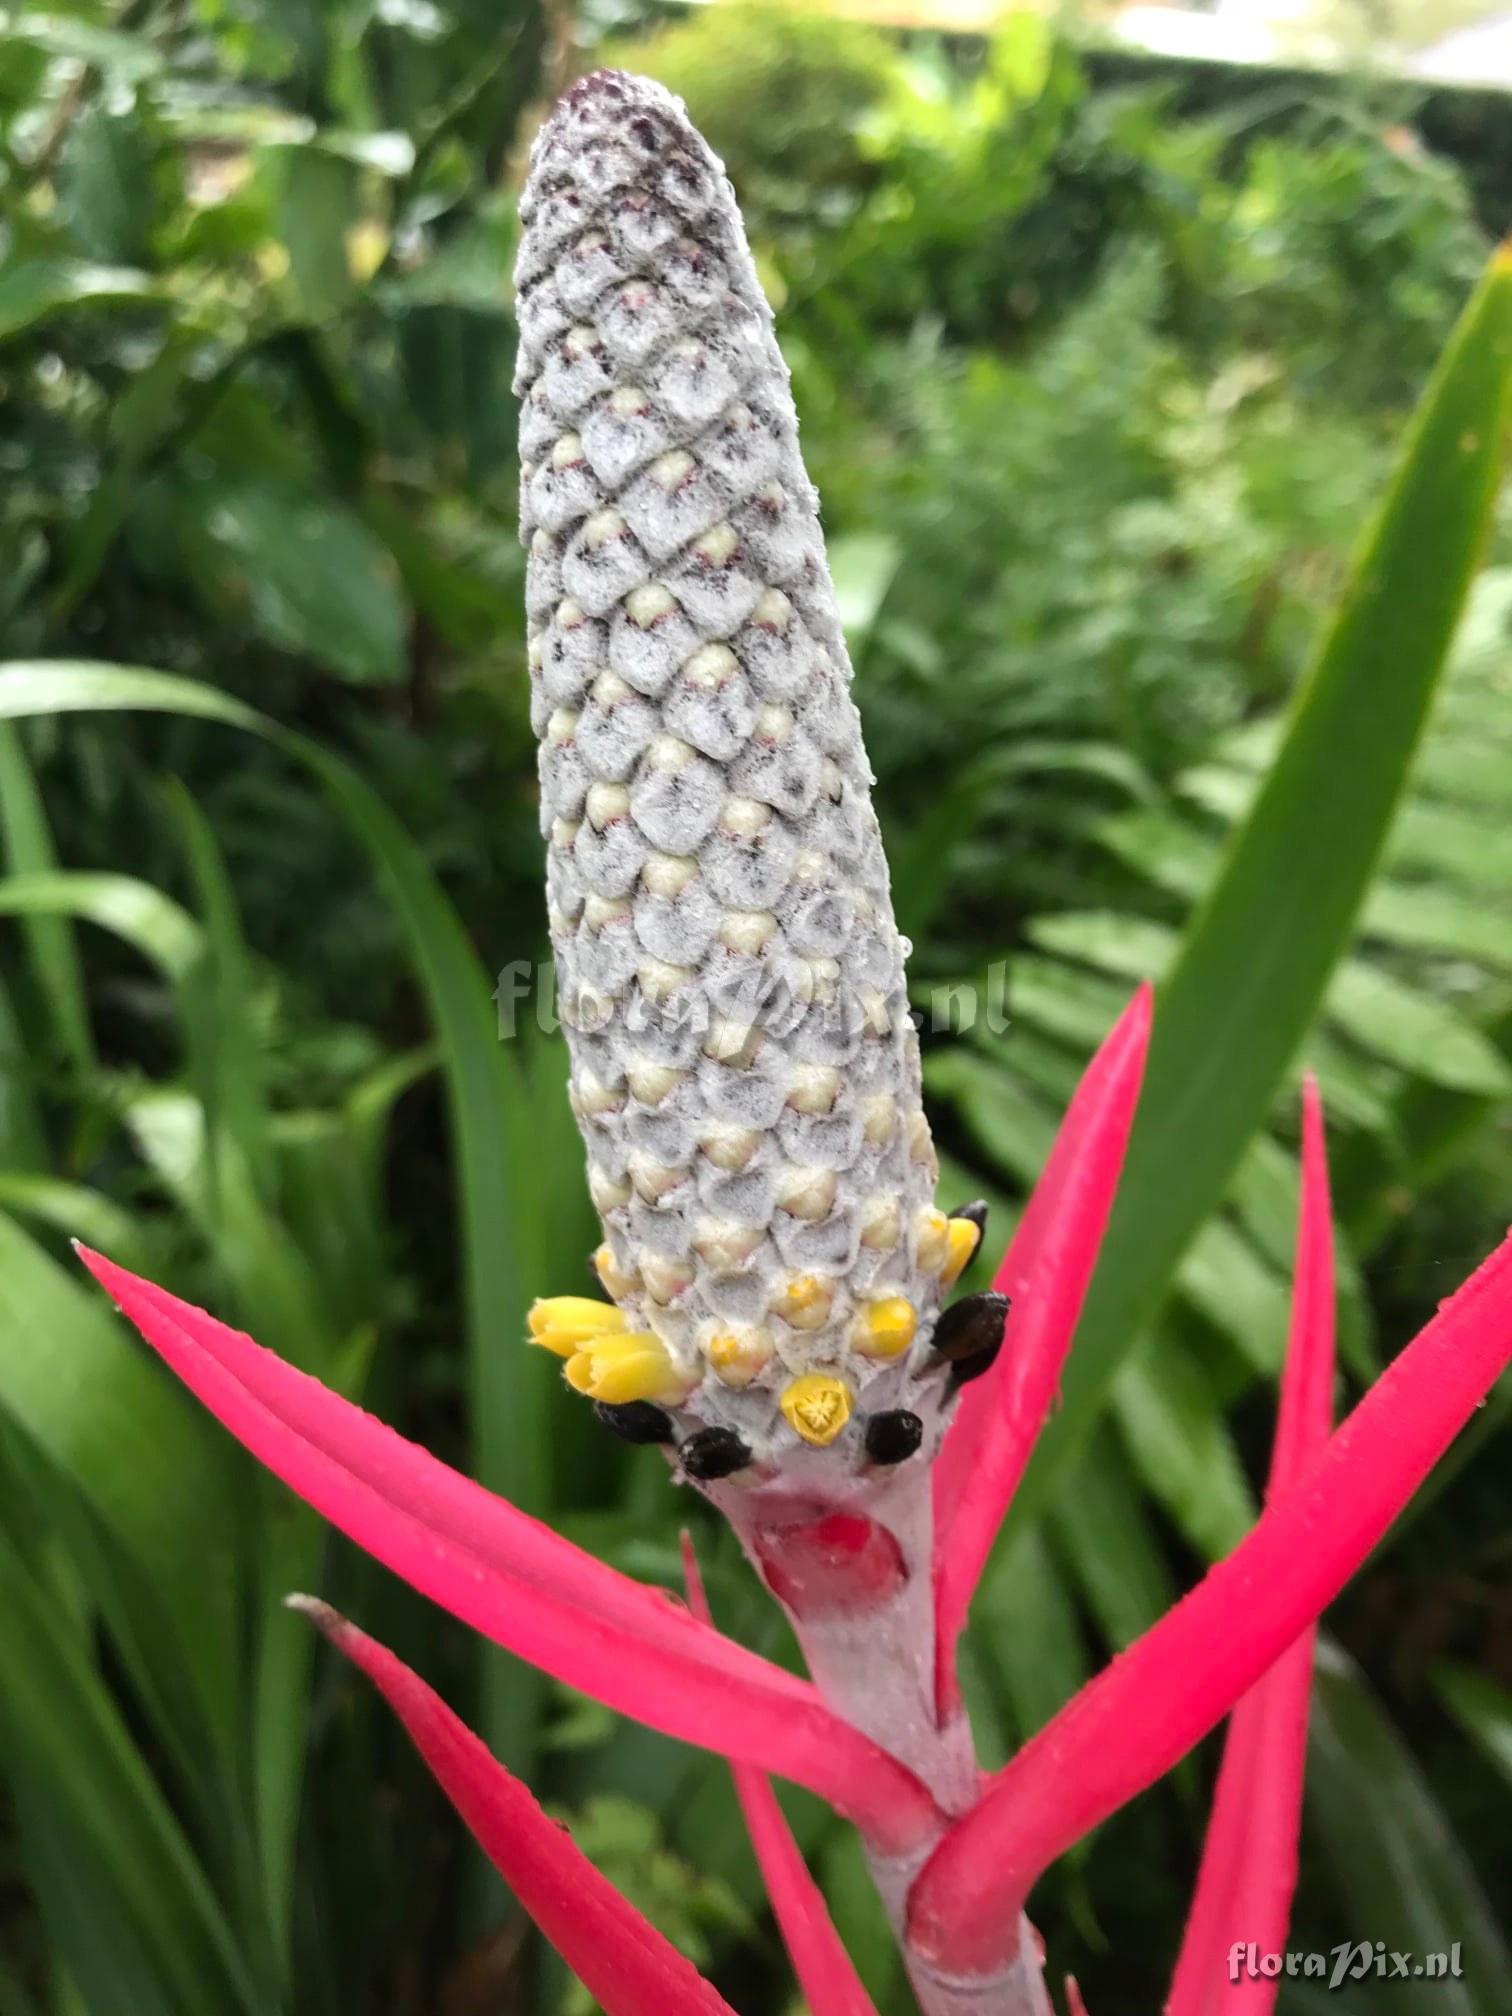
x=1098 y=396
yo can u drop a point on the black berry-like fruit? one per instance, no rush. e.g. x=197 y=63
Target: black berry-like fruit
x=713 y=1453
x=893 y=1437
x=636 y=1420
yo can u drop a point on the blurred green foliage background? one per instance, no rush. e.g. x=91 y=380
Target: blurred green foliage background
x=1099 y=384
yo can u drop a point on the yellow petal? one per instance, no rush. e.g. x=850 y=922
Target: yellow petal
x=633 y=1366
x=565 y=1323
x=817 y=1406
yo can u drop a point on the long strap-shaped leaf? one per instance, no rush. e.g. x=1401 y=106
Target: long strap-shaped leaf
x=59 y=1724
x=509 y=1388
x=1249 y=1860
x=1046 y=1270
x=623 y=1960
x=1128 y=1727
x=416 y=1485
x=585 y=1626
x=1256 y=959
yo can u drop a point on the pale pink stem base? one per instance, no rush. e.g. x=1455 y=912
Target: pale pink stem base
x=862 y=1608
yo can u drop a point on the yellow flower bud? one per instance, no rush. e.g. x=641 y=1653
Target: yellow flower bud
x=737 y=1356
x=884 y=1329
x=633 y=1366
x=565 y=1323
x=962 y=1239
x=805 y=1302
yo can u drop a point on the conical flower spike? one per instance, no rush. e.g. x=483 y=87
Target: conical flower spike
x=744 y=1070
x=1249 y=1863
x=624 y=1962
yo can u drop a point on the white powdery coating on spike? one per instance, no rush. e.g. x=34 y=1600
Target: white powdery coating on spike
x=745 y=1073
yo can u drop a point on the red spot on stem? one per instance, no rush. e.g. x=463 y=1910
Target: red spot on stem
x=840 y=1565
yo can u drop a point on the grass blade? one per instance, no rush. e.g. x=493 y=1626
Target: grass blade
x=73 y=1757
x=102 y=1414
x=495 y=1176
x=1256 y=960
x=1403 y=1875
x=29 y=851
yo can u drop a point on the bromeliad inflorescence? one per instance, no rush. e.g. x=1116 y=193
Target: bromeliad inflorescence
x=746 y=1078
x=744 y=1068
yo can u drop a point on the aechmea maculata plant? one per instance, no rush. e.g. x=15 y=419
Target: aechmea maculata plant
x=774 y=1264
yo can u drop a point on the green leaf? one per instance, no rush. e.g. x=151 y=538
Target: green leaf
x=1135 y=947
x=512 y=1389
x=1162 y=847
x=1226 y=1279
x=33 y=289
x=1414 y=1030
x=1007 y=1123
x=129 y=57
x=77 y=1212
x=1483 y=1709
x=110 y=1420
x=1401 y=1875
x=1463 y=846
x=1078 y=1008
x=1174 y=1431
x=1265 y=1197
x=22 y=1144
x=221 y=1014
x=316 y=205
x=63 y=1741
x=274 y=1288
x=1426 y=917
x=1104 y=1530
x=14 y=1999
x=1257 y=957
x=1026 y=1625
x=309 y=574
x=1473 y=771
x=105 y=185
x=28 y=853
x=862 y=567
x=920 y=857
x=144 y=1640
x=160 y=929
